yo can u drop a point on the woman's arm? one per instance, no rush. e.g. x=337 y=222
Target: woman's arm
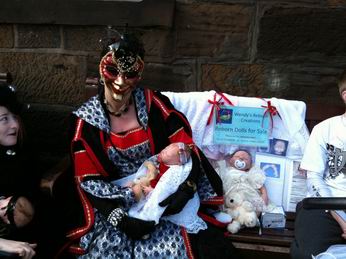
x=22 y=249
x=111 y=195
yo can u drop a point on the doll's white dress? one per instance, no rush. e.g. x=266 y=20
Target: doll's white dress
x=248 y=183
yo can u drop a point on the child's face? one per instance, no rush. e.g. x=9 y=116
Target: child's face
x=174 y=154
x=9 y=127
x=241 y=160
x=343 y=96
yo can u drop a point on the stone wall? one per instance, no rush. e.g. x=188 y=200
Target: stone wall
x=292 y=49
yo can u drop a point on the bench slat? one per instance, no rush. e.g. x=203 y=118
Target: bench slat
x=279 y=241
x=258 y=247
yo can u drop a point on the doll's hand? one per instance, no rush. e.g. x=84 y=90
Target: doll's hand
x=177 y=201
x=265 y=198
x=137 y=191
x=264 y=195
x=147 y=189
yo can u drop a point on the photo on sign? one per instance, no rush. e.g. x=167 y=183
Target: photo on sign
x=271 y=169
x=225 y=116
x=278 y=147
x=274 y=168
x=265 y=149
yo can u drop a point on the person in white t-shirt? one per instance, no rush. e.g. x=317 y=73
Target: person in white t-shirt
x=325 y=162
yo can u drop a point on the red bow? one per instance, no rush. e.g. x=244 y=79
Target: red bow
x=271 y=110
x=216 y=105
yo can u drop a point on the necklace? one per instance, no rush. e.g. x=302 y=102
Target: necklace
x=10 y=152
x=123 y=109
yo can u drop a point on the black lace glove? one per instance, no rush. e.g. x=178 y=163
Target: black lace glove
x=132 y=227
x=177 y=201
x=136 y=228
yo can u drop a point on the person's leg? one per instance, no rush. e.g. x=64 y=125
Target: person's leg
x=315 y=231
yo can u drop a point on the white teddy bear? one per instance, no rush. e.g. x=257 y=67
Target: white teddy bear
x=242 y=212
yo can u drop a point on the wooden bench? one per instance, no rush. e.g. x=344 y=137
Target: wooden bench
x=269 y=240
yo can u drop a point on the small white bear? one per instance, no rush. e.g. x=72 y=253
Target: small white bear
x=242 y=212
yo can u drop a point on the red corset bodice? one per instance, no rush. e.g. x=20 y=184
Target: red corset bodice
x=130 y=139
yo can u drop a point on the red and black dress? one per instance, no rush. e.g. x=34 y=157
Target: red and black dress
x=101 y=156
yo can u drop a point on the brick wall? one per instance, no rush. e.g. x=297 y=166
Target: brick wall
x=289 y=49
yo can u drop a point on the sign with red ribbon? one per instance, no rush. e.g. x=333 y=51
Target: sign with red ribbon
x=248 y=126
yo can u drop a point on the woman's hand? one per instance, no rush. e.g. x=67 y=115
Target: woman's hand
x=22 y=249
x=177 y=201
x=136 y=228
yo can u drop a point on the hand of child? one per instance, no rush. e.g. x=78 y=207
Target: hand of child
x=341 y=222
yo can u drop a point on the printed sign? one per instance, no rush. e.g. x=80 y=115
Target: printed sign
x=241 y=126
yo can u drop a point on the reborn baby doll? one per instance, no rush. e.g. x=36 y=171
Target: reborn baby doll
x=244 y=192
x=159 y=177
x=141 y=186
x=174 y=154
x=243 y=176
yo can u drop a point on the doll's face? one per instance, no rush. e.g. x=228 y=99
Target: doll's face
x=174 y=154
x=9 y=127
x=241 y=160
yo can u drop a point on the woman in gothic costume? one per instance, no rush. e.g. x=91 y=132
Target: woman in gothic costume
x=114 y=132
x=25 y=212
